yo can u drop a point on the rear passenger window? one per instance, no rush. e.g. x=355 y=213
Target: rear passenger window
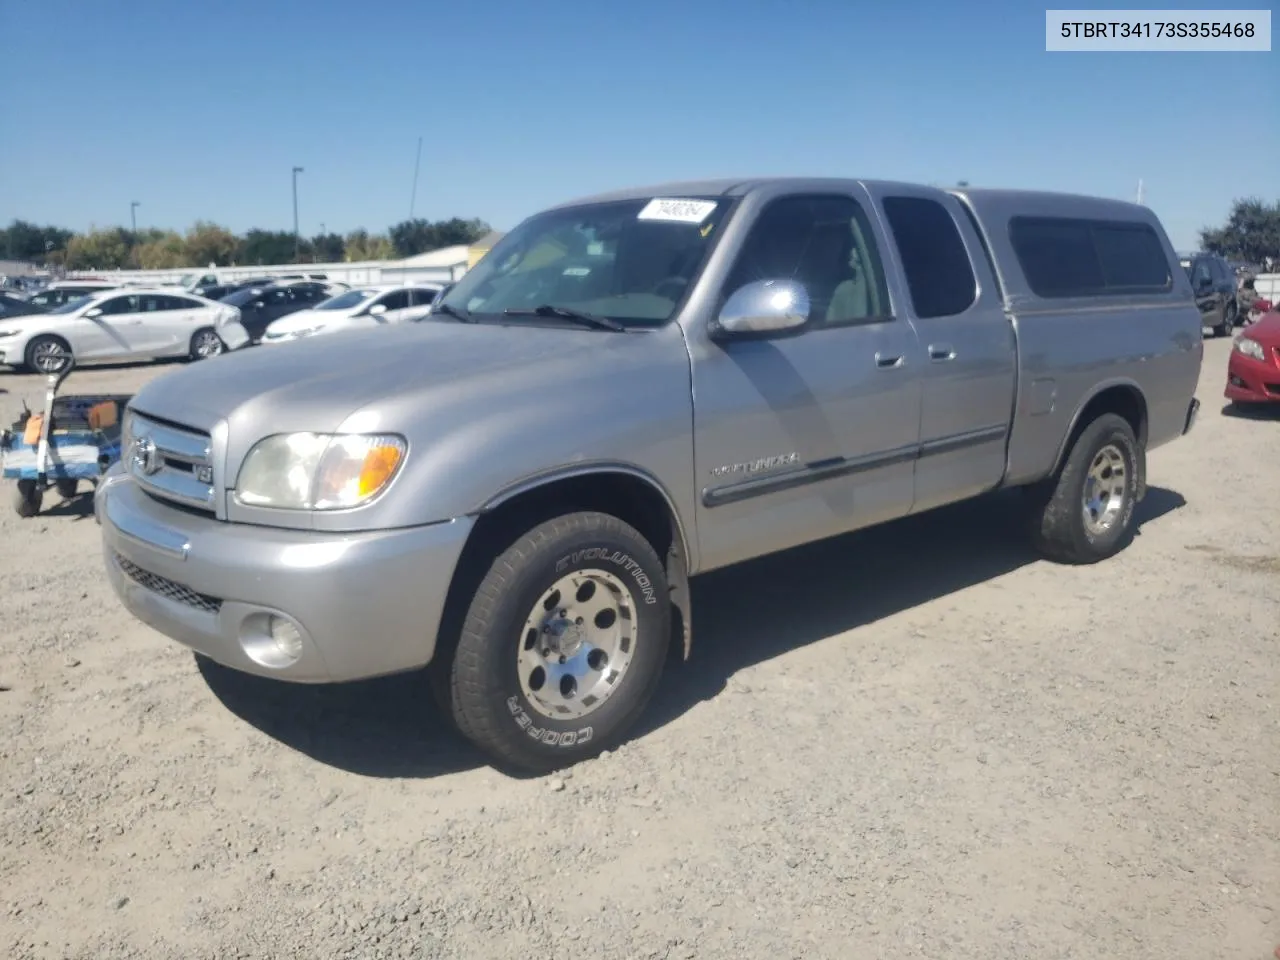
x=1063 y=257
x=934 y=260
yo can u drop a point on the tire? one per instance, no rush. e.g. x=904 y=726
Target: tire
x=205 y=343
x=502 y=694
x=1059 y=529
x=27 y=498
x=42 y=353
x=1228 y=323
x=67 y=489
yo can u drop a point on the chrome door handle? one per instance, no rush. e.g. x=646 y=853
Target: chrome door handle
x=940 y=353
x=888 y=361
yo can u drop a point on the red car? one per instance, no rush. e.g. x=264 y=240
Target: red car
x=1253 y=372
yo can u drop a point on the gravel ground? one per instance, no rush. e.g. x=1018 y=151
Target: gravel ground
x=918 y=741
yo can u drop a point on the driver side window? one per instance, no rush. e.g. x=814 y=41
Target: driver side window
x=119 y=305
x=825 y=243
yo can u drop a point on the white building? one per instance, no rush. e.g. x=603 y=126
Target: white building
x=438 y=266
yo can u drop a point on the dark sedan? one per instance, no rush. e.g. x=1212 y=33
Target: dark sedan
x=17 y=307
x=259 y=306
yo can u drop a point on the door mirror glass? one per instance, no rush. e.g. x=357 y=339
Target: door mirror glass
x=763 y=306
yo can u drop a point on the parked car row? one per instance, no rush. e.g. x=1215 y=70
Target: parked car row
x=102 y=321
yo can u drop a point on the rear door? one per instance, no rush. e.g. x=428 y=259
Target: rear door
x=420 y=300
x=969 y=367
x=397 y=304
x=169 y=321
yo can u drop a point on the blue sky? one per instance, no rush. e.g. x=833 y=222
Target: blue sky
x=201 y=110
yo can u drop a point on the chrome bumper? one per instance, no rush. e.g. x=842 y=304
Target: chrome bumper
x=365 y=604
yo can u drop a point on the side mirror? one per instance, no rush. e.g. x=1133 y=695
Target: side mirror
x=444 y=292
x=95 y=312
x=763 y=307
x=377 y=309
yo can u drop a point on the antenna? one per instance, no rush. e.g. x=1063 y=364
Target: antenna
x=1139 y=189
x=413 y=197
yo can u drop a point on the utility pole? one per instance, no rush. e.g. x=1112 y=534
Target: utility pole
x=297 y=243
x=133 y=217
x=413 y=196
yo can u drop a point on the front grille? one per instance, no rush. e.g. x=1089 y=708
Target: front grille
x=171 y=462
x=170 y=589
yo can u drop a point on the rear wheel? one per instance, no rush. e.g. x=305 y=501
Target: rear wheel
x=206 y=343
x=1086 y=513
x=563 y=643
x=1228 y=322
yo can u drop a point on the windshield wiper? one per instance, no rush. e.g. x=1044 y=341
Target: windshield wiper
x=451 y=311
x=586 y=319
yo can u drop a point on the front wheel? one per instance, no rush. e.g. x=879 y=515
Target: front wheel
x=47 y=354
x=27 y=498
x=1086 y=514
x=563 y=644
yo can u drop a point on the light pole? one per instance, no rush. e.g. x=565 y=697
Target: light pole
x=297 y=245
x=133 y=216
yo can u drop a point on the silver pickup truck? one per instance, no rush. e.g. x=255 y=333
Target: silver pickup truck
x=632 y=389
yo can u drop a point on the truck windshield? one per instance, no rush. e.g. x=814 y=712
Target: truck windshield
x=631 y=261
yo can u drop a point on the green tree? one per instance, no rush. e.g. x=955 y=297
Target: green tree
x=106 y=249
x=327 y=247
x=266 y=246
x=161 y=250
x=361 y=246
x=22 y=240
x=1251 y=233
x=209 y=243
x=412 y=237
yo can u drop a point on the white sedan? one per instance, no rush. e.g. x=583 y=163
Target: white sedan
x=122 y=324
x=354 y=309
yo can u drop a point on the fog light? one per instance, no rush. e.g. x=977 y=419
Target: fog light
x=287 y=638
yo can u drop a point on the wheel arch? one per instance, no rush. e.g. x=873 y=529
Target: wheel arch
x=1122 y=397
x=623 y=490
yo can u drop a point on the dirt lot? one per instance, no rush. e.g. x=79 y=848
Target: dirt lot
x=918 y=741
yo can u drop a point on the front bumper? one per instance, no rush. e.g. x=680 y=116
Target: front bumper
x=12 y=350
x=365 y=604
x=1252 y=381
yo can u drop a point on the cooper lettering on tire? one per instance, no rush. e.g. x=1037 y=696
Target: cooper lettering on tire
x=563 y=643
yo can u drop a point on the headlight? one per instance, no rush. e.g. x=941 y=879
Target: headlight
x=8 y=333
x=319 y=471
x=1250 y=348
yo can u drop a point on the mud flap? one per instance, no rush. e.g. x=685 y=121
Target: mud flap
x=678 y=587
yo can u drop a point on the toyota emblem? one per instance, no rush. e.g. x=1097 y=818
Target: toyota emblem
x=143 y=457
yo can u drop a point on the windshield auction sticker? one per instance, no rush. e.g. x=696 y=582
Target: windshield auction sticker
x=676 y=211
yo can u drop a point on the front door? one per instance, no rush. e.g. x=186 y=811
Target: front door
x=968 y=371
x=804 y=436
x=114 y=332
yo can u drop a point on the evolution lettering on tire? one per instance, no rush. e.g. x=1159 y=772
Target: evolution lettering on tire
x=563 y=643
x=614 y=556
